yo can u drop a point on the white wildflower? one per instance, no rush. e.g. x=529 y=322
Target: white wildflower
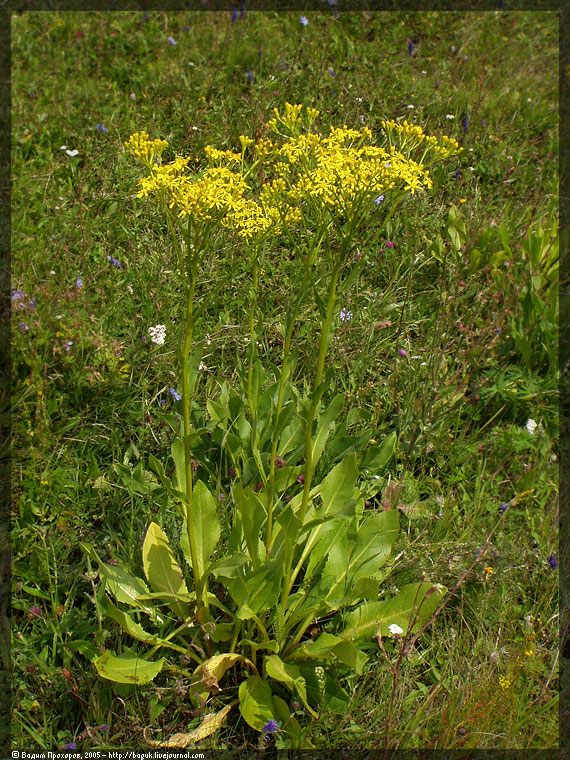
x=157 y=334
x=395 y=630
x=531 y=426
x=449 y=116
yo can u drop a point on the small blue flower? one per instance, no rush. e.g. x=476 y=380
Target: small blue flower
x=67 y=345
x=101 y=128
x=497 y=331
x=171 y=40
x=163 y=402
x=483 y=122
x=504 y=506
x=379 y=200
x=104 y=728
x=410 y=48
x=304 y=20
x=185 y=28
x=115 y=262
x=345 y=315
x=234 y=16
x=176 y=396
x=271 y=727
x=32 y=304
x=552 y=562
x=249 y=75
x=465 y=123
x=18 y=295
x=331 y=71
x=71 y=745
x=24 y=327
x=79 y=282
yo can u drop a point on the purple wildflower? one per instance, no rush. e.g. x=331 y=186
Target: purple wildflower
x=410 y=48
x=389 y=244
x=271 y=727
x=79 y=282
x=234 y=16
x=379 y=200
x=18 y=295
x=101 y=128
x=483 y=122
x=163 y=402
x=345 y=315
x=304 y=20
x=35 y=611
x=67 y=345
x=32 y=304
x=301 y=478
x=71 y=745
x=176 y=396
x=24 y=327
x=185 y=28
x=145 y=17
x=171 y=40
x=249 y=75
x=115 y=262
x=465 y=123
x=402 y=352
x=552 y=562
x=144 y=339
x=331 y=71
x=497 y=331
x=504 y=506
x=104 y=728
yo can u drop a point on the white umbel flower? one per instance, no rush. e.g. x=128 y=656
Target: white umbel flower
x=157 y=334
x=395 y=630
x=531 y=426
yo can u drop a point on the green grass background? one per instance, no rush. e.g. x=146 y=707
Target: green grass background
x=87 y=389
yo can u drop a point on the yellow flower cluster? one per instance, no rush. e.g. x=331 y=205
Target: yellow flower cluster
x=288 y=181
x=145 y=149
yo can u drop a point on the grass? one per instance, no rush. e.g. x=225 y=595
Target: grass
x=87 y=390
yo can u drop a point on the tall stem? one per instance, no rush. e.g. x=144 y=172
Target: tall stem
x=309 y=463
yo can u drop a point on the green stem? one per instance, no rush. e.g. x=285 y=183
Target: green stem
x=289 y=578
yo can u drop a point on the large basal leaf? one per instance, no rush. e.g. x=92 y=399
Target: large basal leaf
x=335 y=698
x=205 y=525
x=210 y=724
x=290 y=675
x=162 y=570
x=126 y=588
x=415 y=603
x=371 y=545
x=252 y=516
x=325 y=426
x=132 y=670
x=263 y=587
x=133 y=628
x=256 y=702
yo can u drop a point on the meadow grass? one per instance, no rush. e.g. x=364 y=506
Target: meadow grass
x=476 y=318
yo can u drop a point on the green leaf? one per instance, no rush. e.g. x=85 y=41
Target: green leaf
x=166 y=482
x=377 y=457
x=288 y=724
x=126 y=588
x=416 y=602
x=325 y=426
x=290 y=675
x=348 y=654
x=205 y=526
x=256 y=702
x=270 y=646
x=161 y=569
x=137 y=480
x=252 y=518
x=132 y=670
x=133 y=628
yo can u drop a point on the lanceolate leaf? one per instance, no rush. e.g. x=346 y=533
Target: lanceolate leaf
x=126 y=588
x=256 y=702
x=127 y=669
x=133 y=628
x=162 y=570
x=290 y=675
x=205 y=525
x=415 y=603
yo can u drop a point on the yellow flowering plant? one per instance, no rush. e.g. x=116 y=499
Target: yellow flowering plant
x=297 y=590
